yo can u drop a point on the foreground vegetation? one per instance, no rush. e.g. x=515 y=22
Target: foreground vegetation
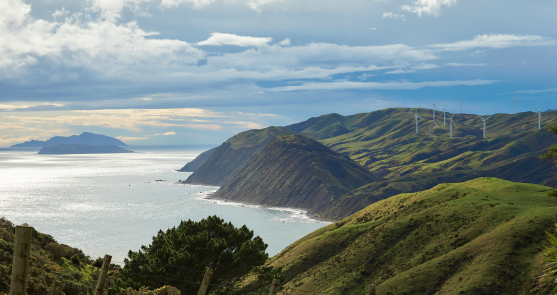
x=484 y=234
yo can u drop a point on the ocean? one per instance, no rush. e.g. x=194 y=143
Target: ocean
x=113 y=203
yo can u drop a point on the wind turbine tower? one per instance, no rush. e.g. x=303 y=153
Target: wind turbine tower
x=444 y=111
x=484 y=122
x=461 y=102
x=434 y=108
x=451 y=123
x=540 y=116
x=515 y=101
x=417 y=118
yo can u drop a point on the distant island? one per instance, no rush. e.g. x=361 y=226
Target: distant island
x=82 y=149
x=84 y=138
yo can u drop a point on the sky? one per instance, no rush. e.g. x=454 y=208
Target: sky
x=199 y=71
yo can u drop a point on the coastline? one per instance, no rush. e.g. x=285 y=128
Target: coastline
x=312 y=217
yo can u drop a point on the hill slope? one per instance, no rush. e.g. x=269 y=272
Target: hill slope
x=295 y=171
x=198 y=161
x=232 y=154
x=83 y=138
x=385 y=142
x=484 y=233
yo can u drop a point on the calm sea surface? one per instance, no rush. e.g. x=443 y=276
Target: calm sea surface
x=112 y=203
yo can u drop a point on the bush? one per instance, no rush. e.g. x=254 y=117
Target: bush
x=231 y=253
x=75 y=259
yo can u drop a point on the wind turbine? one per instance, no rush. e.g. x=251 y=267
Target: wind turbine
x=451 y=123
x=444 y=111
x=484 y=122
x=417 y=118
x=434 y=108
x=461 y=102
x=540 y=116
x=515 y=101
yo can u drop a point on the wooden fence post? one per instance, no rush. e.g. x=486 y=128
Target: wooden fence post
x=372 y=289
x=20 y=263
x=274 y=287
x=206 y=281
x=53 y=290
x=102 y=277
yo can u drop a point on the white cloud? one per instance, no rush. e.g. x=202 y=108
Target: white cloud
x=59 y=13
x=536 y=91
x=170 y=133
x=380 y=85
x=197 y=4
x=373 y=29
x=455 y=64
x=232 y=39
x=496 y=41
x=431 y=7
x=393 y=15
x=413 y=69
x=285 y=42
x=100 y=46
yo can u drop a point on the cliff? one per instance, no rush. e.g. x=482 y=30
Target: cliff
x=232 y=154
x=295 y=171
x=198 y=161
x=82 y=149
x=83 y=138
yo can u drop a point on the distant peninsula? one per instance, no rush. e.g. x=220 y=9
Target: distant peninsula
x=82 y=149
x=84 y=138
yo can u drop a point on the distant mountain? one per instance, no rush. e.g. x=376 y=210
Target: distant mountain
x=295 y=171
x=232 y=154
x=83 y=138
x=82 y=149
x=198 y=161
x=455 y=238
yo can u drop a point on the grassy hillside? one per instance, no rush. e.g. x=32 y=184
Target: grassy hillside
x=385 y=142
x=295 y=171
x=232 y=154
x=198 y=161
x=484 y=233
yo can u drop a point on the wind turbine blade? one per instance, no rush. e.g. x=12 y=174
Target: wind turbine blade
x=488 y=117
x=544 y=107
x=537 y=109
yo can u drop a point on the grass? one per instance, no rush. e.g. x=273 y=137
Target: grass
x=483 y=233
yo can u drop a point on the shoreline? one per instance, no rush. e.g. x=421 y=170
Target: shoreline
x=307 y=213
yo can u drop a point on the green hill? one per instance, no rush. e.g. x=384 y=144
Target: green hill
x=232 y=154
x=485 y=233
x=385 y=142
x=295 y=171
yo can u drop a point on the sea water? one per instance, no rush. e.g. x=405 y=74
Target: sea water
x=113 y=203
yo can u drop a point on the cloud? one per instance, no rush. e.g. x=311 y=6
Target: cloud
x=285 y=42
x=379 y=85
x=496 y=41
x=198 y=4
x=170 y=133
x=413 y=69
x=232 y=39
x=373 y=28
x=392 y=15
x=536 y=91
x=131 y=138
x=455 y=64
x=11 y=107
x=100 y=46
x=431 y=7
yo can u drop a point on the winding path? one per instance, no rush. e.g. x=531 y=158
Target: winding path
x=434 y=126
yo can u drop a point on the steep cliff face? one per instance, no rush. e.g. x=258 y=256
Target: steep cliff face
x=198 y=161
x=295 y=171
x=232 y=154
